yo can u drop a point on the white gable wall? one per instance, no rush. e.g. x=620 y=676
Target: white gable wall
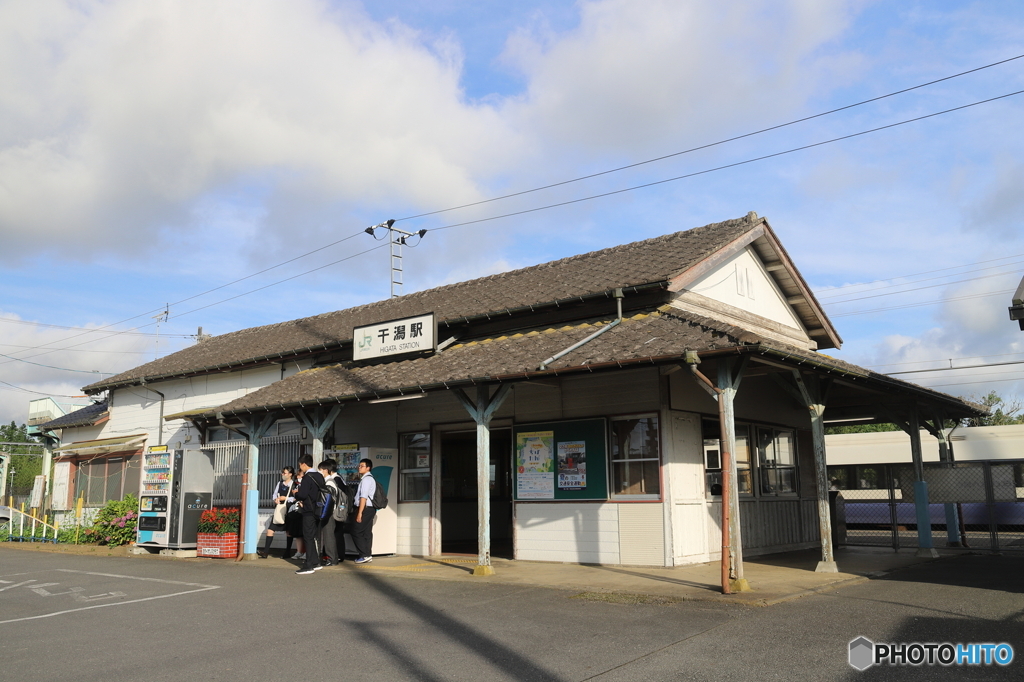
x=742 y=293
x=743 y=282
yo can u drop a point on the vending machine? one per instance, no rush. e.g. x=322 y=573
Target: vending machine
x=385 y=461
x=177 y=487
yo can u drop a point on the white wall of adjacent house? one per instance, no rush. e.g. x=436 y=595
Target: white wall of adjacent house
x=136 y=409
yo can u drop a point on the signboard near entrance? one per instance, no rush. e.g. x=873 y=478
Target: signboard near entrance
x=561 y=461
x=395 y=337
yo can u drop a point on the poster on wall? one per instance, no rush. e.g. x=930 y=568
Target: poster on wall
x=572 y=465
x=535 y=465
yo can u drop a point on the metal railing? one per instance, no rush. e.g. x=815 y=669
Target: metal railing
x=18 y=522
x=232 y=457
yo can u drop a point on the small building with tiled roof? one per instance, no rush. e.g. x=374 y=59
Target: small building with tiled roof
x=575 y=394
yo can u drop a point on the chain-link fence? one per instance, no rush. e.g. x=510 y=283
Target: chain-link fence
x=972 y=505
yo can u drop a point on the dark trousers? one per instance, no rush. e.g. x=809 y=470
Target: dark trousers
x=362 y=532
x=339 y=539
x=311 y=535
x=328 y=539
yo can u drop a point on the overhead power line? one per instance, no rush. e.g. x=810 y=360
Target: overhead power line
x=710 y=144
x=928 y=286
x=924 y=303
x=946 y=369
x=733 y=165
x=605 y=194
x=829 y=292
x=950 y=360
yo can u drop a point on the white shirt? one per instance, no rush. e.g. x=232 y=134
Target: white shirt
x=367 y=487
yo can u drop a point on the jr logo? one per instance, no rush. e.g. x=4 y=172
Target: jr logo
x=366 y=342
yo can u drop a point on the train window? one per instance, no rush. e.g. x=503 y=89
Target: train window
x=869 y=478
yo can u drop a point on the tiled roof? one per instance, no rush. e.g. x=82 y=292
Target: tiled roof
x=643 y=335
x=657 y=337
x=87 y=416
x=644 y=262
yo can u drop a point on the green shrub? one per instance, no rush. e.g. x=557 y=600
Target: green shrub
x=114 y=525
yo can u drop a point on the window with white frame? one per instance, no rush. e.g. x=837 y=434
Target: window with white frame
x=414 y=467
x=635 y=457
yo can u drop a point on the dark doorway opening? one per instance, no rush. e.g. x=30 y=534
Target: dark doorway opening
x=459 y=493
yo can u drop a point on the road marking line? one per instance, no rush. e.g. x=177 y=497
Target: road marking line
x=100 y=606
x=133 y=577
x=11 y=587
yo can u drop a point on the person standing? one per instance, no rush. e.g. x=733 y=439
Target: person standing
x=307 y=495
x=362 y=529
x=281 y=497
x=328 y=538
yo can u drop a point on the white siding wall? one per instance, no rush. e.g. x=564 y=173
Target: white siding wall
x=585 y=533
x=414 y=528
x=137 y=410
x=641 y=534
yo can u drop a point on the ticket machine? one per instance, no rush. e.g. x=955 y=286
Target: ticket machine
x=177 y=487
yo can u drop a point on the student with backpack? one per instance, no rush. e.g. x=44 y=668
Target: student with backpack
x=366 y=510
x=309 y=496
x=333 y=546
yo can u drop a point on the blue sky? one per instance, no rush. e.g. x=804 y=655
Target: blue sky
x=150 y=152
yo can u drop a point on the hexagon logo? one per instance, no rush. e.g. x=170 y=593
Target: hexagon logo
x=862 y=653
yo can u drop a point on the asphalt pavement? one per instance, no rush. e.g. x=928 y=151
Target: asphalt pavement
x=81 y=617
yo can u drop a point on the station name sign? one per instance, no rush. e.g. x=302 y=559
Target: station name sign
x=395 y=337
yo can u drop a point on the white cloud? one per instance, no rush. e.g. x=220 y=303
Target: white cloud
x=59 y=362
x=640 y=75
x=134 y=111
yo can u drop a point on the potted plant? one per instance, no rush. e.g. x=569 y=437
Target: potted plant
x=218 y=533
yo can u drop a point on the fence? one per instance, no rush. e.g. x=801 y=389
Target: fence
x=974 y=505
x=231 y=458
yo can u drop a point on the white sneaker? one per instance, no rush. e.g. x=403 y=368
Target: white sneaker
x=300 y=556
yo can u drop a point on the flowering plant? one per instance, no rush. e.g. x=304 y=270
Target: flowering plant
x=220 y=521
x=114 y=525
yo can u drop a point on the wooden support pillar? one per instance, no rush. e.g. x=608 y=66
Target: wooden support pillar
x=925 y=547
x=935 y=428
x=812 y=393
x=254 y=427
x=729 y=377
x=482 y=411
x=318 y=421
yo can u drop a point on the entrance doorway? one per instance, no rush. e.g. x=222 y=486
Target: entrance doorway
x=459 y=493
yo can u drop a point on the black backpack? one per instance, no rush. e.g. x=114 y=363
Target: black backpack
x=324 y=505
x=380 y=498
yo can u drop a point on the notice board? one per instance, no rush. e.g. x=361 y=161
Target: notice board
x=565 y=460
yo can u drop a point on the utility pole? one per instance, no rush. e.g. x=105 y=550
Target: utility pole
x=398 y=239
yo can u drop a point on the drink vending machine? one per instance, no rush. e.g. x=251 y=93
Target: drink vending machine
x=177 y=487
